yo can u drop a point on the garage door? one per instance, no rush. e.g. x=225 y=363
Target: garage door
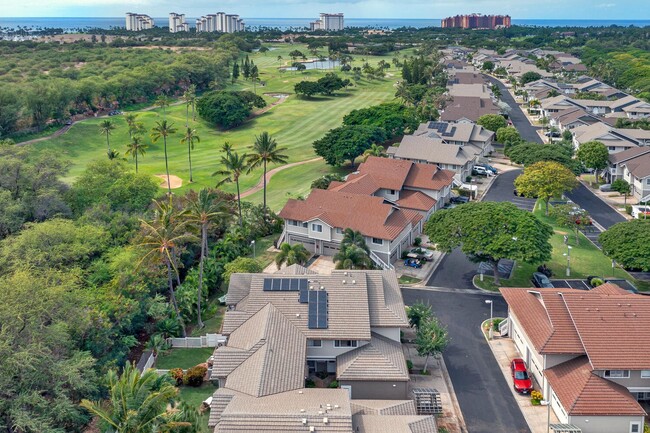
x=309 y=245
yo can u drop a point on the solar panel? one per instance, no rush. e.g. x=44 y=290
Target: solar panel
x=317 y=309
x=321 y=321
x=284 y=284
x=267 y=284
x=312 y=310
x=304 y=295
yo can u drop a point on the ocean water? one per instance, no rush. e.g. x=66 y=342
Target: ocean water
x=72 y=23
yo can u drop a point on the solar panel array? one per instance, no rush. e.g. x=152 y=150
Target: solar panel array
x=441 y=127
x=285 y=284
x=317 y=309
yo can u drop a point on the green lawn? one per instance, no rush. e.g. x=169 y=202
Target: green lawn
x=405 y=279
x=586 y=260
x=183 y=358
x=195 y=396
x=213 y=323
x=295 y=124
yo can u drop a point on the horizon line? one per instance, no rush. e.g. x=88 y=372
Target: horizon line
x=353 y=17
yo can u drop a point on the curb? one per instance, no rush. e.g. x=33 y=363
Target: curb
x=477 y=287
x=600 y=198
x=452 y=395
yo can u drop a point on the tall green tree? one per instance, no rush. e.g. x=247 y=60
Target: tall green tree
x=162 y=238
x=292 y=255
x=419 y=313
x=163 y=102
x=346 y=143
x=491 y=231
x=105 y=128
x=431 y=339
x=190 y=138
x=545 y=180
x=628 y=243
x=375 y=150
x=204 y=210
x=492 y=122
x=265 y=151
x=235 y=72
x=162 y=129
x=567 y=215
x=622 y=187
x=137 y=402
x=234 y=166
x=354 y=237
x=352 y=257
x=593 y=154
x=136 y=147
x=189 y=96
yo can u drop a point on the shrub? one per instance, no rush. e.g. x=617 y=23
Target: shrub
x=409 y=364
x=417 y=241
x=536 y=397
x=496 y=323
x=405 y=255
x=194 y=376
x=595 y=282
x=177 y=375
x=468 y=179
x=628 y=209
x=310 y=383
x=334 y=384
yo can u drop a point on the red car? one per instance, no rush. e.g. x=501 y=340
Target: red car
x=520 y=376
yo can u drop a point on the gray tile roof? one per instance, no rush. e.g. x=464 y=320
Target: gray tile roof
x=265 y=355
x=383 y=407
x=385 y=300
x=380 y=360
x=394 y=424
x=238 y=288
x=423 y=148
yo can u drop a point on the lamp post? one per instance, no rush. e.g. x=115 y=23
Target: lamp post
x=253 y=245
x=490 y=331
x=568 y=260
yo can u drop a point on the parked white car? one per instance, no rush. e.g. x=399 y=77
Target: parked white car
x=640 y=212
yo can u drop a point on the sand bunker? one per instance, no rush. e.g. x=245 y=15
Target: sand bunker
x=176 y=182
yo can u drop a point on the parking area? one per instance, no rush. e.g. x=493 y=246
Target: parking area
x=421 y=273
x=524 y=203
x=571 y=284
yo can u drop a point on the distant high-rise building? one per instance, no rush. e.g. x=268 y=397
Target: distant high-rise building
x=220 y=22
x=177 y=23
x=477 y=21
x=328 y=22
x=138 y=22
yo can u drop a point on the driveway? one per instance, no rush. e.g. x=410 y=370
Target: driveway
x=484 y=396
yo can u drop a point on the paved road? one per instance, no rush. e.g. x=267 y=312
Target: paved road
x=527 y=131
x=483 y=393
x=599 y=210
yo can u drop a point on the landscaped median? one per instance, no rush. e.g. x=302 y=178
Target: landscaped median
x=586 y=259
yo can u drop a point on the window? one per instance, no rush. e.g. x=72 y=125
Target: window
x=305 y=225
x=635 y=427
x=314 y=343
x=345 y=343
x=392 y=192
x=317 y=228
x=645 y=374
x=611 y=147
x=339 y=230
x=647 y=181
x=377 y=241
x=617 y=374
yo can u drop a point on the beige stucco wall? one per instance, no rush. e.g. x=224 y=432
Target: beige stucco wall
x=605 y=424
x=377 y=390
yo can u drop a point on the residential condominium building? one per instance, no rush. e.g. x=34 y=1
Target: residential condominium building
x=294 y=325
x=328 y=22
x=177 y=23
x=587 y=351
x=220 y=22
x=477 y=21
x=386 y=200
x=138 y=22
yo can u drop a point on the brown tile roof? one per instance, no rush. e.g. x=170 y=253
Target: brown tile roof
x=608 y=323
x=285 y=412
x=387 y=173
x=265 y=355
x=639 y=166
x=468 y=107
x=581 y=392
x=367 y=214
x=357 y=183
x=394 y=424
x=383 y=407
x=428 y=176
x=380 y=360
x=416 y=200
x=617 y=157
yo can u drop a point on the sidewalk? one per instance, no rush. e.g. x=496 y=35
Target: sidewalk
x=504 y=351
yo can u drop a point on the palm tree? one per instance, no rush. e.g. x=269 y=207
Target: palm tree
x=163 y=237
x=135 y=148
x=265 y=151
x=105 y=128
x=353 y=237
x=235 y=165
x=203 y=210
x=113 y=154
x=190 y=138
x=164 y=129
x=190 y=100
x=137 y=403
x=352 y=257
x=374 y=150
x=130 y=119
x=163 y=102
x=226 y=147
x=292 y=255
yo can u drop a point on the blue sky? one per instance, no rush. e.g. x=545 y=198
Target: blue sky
x=542 y=9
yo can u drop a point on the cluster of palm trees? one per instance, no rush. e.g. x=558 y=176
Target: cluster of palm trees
x=171 y=229
x=354 y=252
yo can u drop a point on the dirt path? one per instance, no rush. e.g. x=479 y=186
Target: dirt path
x=47 y=137
x=281 y=98
x=270 y=173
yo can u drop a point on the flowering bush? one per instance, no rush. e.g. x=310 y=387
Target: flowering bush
x=536 y=396
x=195 y=375
x=177 y=375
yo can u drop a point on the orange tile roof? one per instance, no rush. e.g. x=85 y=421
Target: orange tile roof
x=581 y=392
x=416 y=200
x=428 y=176
x=357 y=184
x=367 y=214
x=387 y=173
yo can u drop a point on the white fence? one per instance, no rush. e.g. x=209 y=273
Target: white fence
x=208 y=340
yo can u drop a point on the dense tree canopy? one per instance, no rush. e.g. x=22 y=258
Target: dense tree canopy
x=545 y=179
x=228 y=109
x=394 y=119
x=346 y=143
x=529 y=77
x=629 y=244
x=491 y=231
x=593 y=154
x=528 y=153
x=492 y=122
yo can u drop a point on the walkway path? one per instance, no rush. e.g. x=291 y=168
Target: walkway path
x=269 y=174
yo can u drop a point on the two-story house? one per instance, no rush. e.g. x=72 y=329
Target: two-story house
x=386 y=200
x=587 y=351
x=617 y=160
x=573 y=117
x=616 y=140
x=636 y=171
x=637 y=111
x=286 y=327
